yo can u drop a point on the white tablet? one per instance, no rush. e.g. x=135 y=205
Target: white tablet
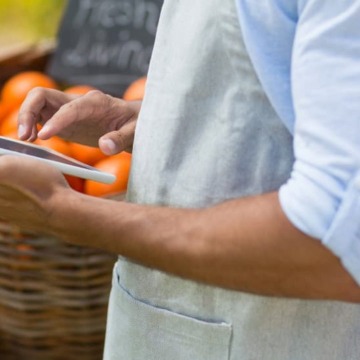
x=65 y=164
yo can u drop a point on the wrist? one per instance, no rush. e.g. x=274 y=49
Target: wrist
x=62 y=212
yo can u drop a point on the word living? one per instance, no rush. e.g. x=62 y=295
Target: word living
x=117 y=34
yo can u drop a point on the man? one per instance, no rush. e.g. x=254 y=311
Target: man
x=231 y=246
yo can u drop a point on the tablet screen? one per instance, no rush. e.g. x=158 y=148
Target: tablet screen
x=66 y=164
x=34 y=150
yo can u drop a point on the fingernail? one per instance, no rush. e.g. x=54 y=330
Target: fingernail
x=21 y=130
x=109 y=146
x=42 y=131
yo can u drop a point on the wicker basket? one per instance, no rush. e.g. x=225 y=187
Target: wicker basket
x=53 y=298
x=53 y=295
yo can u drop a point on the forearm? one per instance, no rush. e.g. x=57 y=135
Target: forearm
x=245 y=244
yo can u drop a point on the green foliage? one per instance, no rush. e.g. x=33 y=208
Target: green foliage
x=29 y=20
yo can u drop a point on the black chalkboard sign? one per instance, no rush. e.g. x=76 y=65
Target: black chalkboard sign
x=105 y=43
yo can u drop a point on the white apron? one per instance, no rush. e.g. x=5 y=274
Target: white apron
x=208 y=133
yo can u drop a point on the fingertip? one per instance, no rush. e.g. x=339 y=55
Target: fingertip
x=33 y=135
x=108 y=146
x=22 y=132
x=44 y=133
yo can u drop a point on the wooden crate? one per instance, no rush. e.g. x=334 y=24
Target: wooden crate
x=23 y=58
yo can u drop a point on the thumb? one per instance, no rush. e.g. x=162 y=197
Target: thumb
x=118 y=140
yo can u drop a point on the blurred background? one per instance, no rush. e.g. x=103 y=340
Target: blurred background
x=54 y=295
x=25 y=22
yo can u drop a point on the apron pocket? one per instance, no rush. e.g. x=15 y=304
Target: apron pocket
x=139 y=331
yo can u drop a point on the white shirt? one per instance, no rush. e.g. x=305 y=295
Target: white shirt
x=307 y=56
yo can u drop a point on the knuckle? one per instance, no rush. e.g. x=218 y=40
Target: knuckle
x=70 y=106
x=37 y=91
x=26 y=114
x=121 y=140
x=94 y=94
x=98 y=100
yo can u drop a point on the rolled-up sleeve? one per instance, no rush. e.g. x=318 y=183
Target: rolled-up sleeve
x=322 y=196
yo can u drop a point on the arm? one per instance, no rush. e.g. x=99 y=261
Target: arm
x=246 y=244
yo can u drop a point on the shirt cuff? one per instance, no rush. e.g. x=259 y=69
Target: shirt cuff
x=341 y=235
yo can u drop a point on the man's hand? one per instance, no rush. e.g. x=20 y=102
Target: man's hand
x=94 y=119
x=27 y=190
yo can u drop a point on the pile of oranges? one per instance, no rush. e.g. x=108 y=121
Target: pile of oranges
x=13 y=93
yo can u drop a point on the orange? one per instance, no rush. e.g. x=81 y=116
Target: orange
x=86 y=154
x=10 y=123
x=135 y=90
x=79 y=89
x=57 y=144
x=23 y=251
x=4 y=110
x=16 y=88
x=12 y=135
x=75 y=182
x=119 y=165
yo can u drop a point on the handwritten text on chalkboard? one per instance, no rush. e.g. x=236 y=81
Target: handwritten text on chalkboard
x=106 y=43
